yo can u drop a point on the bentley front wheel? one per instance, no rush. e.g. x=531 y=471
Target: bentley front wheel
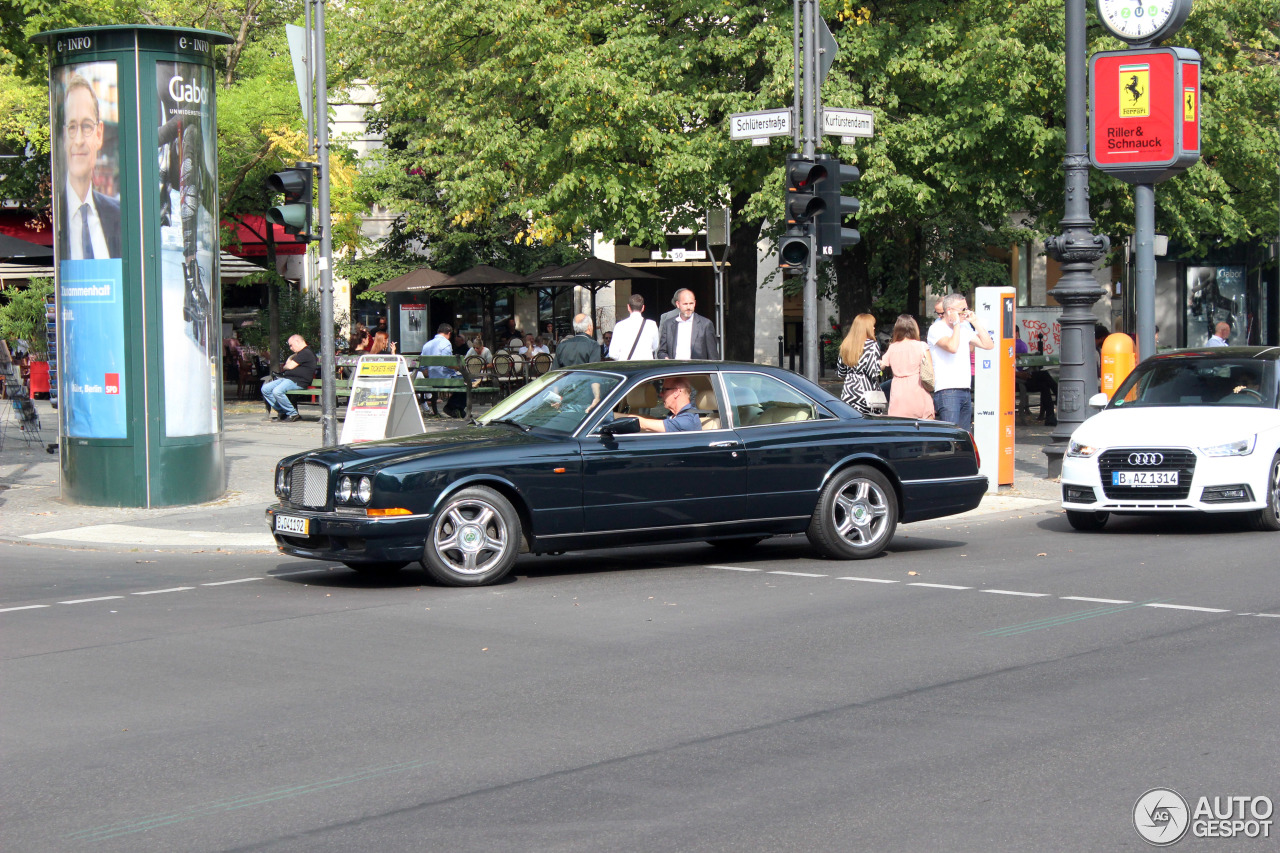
x=474 y=539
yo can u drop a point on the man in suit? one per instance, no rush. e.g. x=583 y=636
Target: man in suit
x=90 y=219
x=687 y=335
x=581 y=347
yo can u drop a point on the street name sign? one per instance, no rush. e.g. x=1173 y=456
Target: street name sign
x=760 y=125
x=848 y=124
x=1146 y=112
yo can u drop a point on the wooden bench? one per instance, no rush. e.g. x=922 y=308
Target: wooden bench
x=426 y=385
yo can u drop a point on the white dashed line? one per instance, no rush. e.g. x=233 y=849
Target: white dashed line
x=1269 y=615
x=159 y=591
x=303 y=572
x=868 y=580
x=87 y=600
x=1095 y=600
x=734 y=569
x=798 y=574
x=939 y=586
x=1187 y=607
x=27 y=607
x=1012 y=592
x=224 y=583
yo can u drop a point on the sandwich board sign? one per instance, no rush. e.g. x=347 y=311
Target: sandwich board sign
x=382 y=403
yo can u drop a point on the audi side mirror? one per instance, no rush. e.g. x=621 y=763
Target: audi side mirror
x=1099 y=400
x=620 y=426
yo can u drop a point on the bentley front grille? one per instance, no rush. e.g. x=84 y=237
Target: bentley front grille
x=309 y=485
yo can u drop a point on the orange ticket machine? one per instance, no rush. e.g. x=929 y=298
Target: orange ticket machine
x=993 y=391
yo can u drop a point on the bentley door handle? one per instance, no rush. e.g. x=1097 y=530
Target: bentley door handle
x=723 y=444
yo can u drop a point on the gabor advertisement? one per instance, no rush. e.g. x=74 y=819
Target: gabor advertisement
x=86 y=188
x=188 y=242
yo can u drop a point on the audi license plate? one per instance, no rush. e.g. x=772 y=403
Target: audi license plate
x=292 y=524
x=1144 y=478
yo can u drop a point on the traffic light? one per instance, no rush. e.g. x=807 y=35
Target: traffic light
x=295 y=213
x=831 y=233
x=804 y=178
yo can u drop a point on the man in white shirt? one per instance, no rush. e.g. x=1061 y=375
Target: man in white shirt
x=1221 y=335
x=951 y=338
x=635 y=338
x=91 y=220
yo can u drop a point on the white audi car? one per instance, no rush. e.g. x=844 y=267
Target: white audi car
x=1188 y=431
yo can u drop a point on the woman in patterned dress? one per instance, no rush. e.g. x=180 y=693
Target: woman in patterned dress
x=859 y=363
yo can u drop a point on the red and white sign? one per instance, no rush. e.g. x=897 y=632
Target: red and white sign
x=1146 y=112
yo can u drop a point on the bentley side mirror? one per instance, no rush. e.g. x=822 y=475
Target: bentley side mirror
x=620 y=426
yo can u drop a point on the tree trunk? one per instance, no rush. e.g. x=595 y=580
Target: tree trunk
x=740 y=287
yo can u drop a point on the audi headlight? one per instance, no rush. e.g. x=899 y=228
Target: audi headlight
x=345 y=487
x=1240 y=447
x=1075 y=448
x=364 y=491
x=282 y=483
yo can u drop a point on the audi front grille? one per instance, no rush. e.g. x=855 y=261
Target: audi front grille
x=1148 y=459
x=309 y=485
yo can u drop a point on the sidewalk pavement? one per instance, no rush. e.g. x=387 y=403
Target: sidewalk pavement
x=33 y=513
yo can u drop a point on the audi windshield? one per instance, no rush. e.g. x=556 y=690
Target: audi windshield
x=1198 y=381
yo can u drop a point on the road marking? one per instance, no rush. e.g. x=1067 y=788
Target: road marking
x=867 y=580
x=939 y=585
x=87 y=600
x=1056 y=621
x=1269 y=615
x=1185 y=607
x=303 y=572
x=798 y=574
x=224 y=583
x=1095 y=600
x=27 y=607
x=1012 y=592
x=734 y=569
x=159 y=591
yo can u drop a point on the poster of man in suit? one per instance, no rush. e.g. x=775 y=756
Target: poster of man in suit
x=187 y=206
x=86 y=184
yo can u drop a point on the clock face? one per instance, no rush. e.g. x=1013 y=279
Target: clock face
x=1138 y=20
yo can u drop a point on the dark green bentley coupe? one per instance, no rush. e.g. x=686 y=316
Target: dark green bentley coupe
x=562 y=465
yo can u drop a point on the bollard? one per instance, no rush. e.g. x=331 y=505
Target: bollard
x=1118 y=360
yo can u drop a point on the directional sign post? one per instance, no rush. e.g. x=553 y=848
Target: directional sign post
x=760 y=126
x=848 y=124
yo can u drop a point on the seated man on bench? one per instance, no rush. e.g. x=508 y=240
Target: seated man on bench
x=298 y=372
x=442 y=345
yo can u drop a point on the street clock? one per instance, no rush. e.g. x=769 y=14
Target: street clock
x=1143 y=21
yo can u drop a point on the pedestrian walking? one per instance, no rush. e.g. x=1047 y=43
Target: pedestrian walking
x=907 y=356
x=859 y=363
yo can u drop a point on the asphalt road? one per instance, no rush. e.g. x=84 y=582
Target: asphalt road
x=997 y=685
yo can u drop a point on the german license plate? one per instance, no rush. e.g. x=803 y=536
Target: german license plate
x=292 y=524
x=1144 y=478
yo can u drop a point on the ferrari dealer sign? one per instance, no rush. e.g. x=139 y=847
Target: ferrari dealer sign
x=1146 y=112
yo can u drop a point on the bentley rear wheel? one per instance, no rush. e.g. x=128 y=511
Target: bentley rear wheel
x=856 y=515
x=474 y=539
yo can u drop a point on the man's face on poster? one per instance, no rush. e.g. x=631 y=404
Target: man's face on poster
x=82 y=137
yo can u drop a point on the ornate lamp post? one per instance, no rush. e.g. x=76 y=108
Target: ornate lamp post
x=1078 y=250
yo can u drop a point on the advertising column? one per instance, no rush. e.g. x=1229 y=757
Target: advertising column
x=993 y=392
x=135 y=207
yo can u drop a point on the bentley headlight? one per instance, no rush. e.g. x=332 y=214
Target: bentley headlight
x=365 y=490
x=1075 y=448
x=345 y=487
x=282 y=483
x=1240 y=447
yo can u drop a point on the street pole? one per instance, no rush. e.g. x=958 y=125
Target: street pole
x=809 y=139
x=329 y=396
x=1144 y=209
x=1078 y=250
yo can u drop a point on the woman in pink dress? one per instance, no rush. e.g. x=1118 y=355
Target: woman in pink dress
x=907 y=397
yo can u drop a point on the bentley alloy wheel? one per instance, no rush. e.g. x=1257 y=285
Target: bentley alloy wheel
x=474 y=539
x=856 y=514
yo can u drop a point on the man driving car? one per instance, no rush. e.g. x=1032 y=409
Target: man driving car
x=677 y=397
